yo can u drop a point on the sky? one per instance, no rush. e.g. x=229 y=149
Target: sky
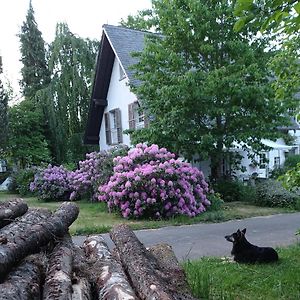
x=84 y=18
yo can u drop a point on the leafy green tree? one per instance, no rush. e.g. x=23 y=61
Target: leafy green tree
x=27 y=144
x=204 y=86
x=66 y=98
x=3 y=113
x=35 y=73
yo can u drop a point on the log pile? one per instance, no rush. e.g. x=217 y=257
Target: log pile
x=38 y=260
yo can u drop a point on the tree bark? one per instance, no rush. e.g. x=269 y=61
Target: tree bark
x=11 y=209
x=110 y=280
x=58 y=281
x=21 y=224
x=147 y=278
x=81 y=289
x=33 y=238
x=24 y=282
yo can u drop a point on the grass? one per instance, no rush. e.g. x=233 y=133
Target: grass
x=216 y=278
x=94 y=218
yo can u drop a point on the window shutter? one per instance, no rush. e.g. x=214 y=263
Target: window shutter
x=107 y=129
x=119 y=125
x=146 y=121
x=131 y=115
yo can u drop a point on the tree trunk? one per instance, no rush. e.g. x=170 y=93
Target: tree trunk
x=23 y=223
x=24 y=282
x=33 y=238
x=10 y=210
x=58 y=281
x=109 y=278
x=147 y=278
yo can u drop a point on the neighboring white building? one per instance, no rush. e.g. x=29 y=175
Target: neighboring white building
x=114 y=108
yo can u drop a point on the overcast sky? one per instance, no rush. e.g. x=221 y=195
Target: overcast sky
x=84 y=17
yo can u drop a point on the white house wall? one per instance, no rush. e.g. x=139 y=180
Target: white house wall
x=118 y=96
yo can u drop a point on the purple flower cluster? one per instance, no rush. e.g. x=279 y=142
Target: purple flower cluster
x=51 y=184
x=150 y=182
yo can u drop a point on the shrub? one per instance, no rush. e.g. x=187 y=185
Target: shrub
x=149 y=182
x=292 y=161
x=233 y=190
x=95 y=170
x=52 y=184
x=271 y=193
x=291 y=179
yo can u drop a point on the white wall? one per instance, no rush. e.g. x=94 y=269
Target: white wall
x=118 y=96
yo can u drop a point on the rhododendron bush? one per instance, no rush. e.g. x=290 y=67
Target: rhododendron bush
x=150 y=182
x=51 y=183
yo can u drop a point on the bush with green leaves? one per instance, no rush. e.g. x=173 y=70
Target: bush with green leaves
x=233 y=190
x=271 y=193
x=291 y=179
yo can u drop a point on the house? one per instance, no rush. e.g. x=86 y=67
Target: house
x=114 y=108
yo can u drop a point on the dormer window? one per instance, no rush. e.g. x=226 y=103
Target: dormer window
x=122 y=74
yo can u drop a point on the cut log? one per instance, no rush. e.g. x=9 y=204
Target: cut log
x=31 y=217
x=58 y=281
x=147 y=278
x=81 y=289
x=11 y=209
x=109 y=277
x=24 y=282
x=170 y=266
x=32 y=239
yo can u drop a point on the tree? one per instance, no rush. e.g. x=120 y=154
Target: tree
x=27 y=144
x=66 y=98
x=205 y=86
x=35 y=73
x=269 y=14
x=3 y=113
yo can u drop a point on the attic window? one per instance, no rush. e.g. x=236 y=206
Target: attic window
x=121 y=73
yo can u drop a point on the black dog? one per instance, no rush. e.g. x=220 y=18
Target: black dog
x=245 y=252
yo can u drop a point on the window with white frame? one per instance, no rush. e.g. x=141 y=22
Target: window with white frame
x=277 y=162
x=113 y=127
x=262 y=160
x=136 y=116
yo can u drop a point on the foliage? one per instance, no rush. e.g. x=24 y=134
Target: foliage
x=3 y=113
x=219 y=278
x=52 y=184
x=234 y=190
x=95 y=170
x=149 y=182
x=271 y=193
x=291 y=179
x=27 y=144
x=35 y=73
x=292 y=161
x=269 y=14
x=66 y=99
x=21 y=179
x=205 y=86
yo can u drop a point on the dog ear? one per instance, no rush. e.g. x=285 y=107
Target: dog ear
x=244 y=231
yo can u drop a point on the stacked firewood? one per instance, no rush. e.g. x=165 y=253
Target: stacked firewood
x=38 y=260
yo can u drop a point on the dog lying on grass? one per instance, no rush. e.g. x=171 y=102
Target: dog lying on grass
x=245 y=252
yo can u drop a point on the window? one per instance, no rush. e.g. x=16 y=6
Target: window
x=277 y=162
x=262 y=160
x=113 y=127
x=136 y=116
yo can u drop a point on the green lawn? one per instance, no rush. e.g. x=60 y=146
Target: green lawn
x=214 y=278
x=94 y=218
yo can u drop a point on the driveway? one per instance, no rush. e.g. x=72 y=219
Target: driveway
x=195 y=241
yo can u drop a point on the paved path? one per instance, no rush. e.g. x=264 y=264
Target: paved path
x=195 y=241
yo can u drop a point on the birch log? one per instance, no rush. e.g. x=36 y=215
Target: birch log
x=32 y=239
x=24 y=282
x=58 y=281
x=10 y=210
x=110 y=280
x=147 y=278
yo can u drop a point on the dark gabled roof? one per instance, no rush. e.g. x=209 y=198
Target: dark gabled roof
x=116 y=41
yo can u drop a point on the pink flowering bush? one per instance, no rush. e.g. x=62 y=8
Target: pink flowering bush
x=51 y=184
x=96 y=169
x=150 y=182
